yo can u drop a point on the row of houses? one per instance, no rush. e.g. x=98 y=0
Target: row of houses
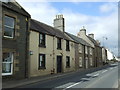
x=31 y=48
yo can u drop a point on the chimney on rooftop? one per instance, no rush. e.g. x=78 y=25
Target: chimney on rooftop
x=82 y=32
x=59 y=23
x=91 y=35
x=98 y=42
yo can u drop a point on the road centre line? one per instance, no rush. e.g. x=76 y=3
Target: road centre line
x=72 y=85
x=104 y=71
x=96 y=74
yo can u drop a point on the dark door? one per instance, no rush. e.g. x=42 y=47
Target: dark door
x=59 y=64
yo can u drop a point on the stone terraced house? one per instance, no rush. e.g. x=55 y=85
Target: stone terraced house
x=51 y=50
x=15 y=28
x=31 y=48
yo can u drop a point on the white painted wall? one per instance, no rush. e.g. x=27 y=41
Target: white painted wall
x=109 y=55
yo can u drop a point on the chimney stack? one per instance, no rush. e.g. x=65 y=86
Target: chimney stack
x=59 y=23
x=91 y=35
x=82 y=32
x=98 y=42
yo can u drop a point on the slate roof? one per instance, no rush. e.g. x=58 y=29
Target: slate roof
x=44 y=28
x=77 y=39
x=15 y=7
x=95 y=43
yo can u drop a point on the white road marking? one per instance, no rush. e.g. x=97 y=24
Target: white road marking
x=64 y=85
x=88 y=75
x=104 y=71
x=85 y=79
x=72 y=85
x=96 y=74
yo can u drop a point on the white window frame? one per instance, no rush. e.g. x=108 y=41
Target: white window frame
x=5 y=74
x=9 y=27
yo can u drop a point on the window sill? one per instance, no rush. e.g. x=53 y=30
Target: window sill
x=67 y=66
x=6 y=74
x=59 y=48
x=9 y=38
x=43 y=46
x=67 y=50
x=42 y=68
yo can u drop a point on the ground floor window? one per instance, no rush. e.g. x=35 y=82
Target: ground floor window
x=7 y=63
x=91 y=62
x=67 y=61
x=42 y=61
x=80 y=62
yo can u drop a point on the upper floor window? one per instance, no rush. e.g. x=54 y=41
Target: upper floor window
x=59 y=46
x=86 y=50
x=42 y=40
x=91 y=51
x=41 y=61
x=9 y=27
x=80 y=48
x=67 y=61
x=67 y=45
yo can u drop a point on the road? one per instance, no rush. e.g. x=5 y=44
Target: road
x=103 y=78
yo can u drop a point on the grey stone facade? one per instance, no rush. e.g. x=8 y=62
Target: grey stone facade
x=19 y=43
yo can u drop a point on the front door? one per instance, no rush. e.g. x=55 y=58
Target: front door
x=59 y=64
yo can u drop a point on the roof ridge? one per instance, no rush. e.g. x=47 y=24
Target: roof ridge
x=48 y=25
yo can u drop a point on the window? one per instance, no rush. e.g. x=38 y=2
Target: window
x=59 y=43
x=41 y=61
x=86 y=50
x=67 y=45
x=42 y=40
x=80 y=62
x=67 y=61
x=80 y=48
x=91 y=62
x=7 y=64
x=91 y=51
x=9 y=27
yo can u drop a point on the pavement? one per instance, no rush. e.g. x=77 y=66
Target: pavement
x=52 y=80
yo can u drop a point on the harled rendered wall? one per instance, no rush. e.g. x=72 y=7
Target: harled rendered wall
x=51 y=53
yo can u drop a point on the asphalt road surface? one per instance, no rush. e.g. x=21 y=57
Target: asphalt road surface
x=103 y=78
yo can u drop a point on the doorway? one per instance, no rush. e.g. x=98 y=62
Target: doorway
x=59 y=64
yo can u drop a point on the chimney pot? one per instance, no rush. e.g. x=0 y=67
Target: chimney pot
x=59 y=22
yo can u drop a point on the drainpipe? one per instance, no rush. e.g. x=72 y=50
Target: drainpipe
x=53 y=71
x=27 y=62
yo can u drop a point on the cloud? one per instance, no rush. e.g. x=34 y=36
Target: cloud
x=109 y=7
x=41 y=11
x=101 y=26
x=75 y=1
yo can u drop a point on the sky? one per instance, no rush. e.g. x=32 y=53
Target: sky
x=99 y=18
